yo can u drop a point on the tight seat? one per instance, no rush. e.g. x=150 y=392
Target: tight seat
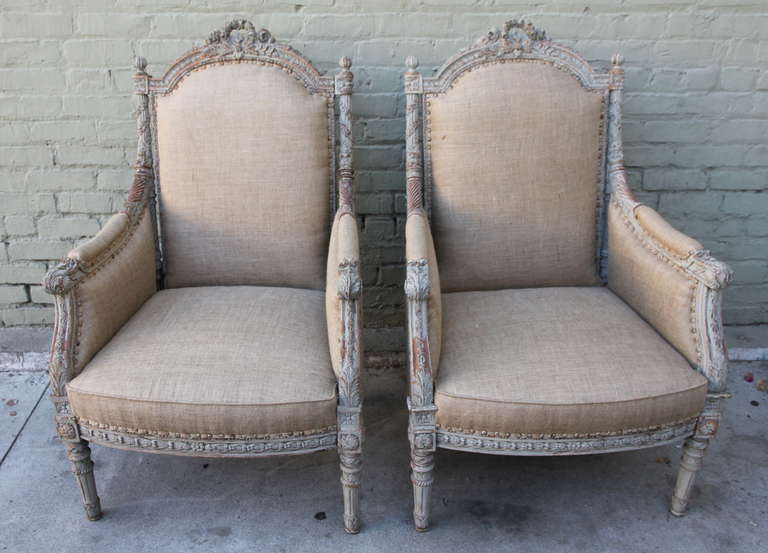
x=567 y=360
x=218 y=360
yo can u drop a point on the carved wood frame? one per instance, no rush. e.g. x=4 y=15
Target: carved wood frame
x=522 y=42
x=238 y=42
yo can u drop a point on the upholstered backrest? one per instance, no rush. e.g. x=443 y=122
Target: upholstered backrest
x=244 y=177
x=516 y=153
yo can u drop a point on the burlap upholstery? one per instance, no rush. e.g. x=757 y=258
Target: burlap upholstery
x=235 y=360
x=343 y=247
x=665 y=234
x=244 y=179
x=113 y=292
x=558 y=361
x=93 y=248
x=419 y=245
x=660 y=292
x=516 y=165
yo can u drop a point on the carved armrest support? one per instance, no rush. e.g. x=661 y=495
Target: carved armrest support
x=344 y=309
x=417 y=292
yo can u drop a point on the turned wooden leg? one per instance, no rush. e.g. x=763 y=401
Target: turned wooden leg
x=82 y=467
x=422 y=465
x=693 y=453
x=351 y=465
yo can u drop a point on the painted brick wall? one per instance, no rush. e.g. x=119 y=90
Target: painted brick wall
x=695 y=129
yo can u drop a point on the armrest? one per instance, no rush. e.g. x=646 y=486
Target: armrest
x=97 y=288
x=673 y=283
x=422 y=290
x=342 y=308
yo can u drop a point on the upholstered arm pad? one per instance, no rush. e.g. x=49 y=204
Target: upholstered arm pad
x=419 y=247
x=665 y=234
x=342 y=287
x=664 y=275
x=103 y=282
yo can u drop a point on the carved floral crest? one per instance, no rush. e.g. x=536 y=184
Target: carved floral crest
x=516 y=38
x=238 y=38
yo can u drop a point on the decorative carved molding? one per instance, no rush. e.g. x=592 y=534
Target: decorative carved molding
x=350 y=286
x=516 y=38
x=238 y=38
x=413 y=158
x=252 y=447
x=345 y=176
x=417 y=284
x=518 y=41
x=240 y=41
x=573 y=446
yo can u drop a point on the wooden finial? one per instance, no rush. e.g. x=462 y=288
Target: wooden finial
x=141 y=64
x=411 y=63
x=345 y=62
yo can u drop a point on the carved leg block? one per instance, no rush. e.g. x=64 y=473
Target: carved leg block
x=693 y=453
x=422 y=465
x=79 y=455
x=351 y=465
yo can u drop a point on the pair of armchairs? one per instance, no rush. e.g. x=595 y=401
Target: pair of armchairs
x=216 y=317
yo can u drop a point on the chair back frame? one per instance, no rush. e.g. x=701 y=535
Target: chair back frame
x=517 y=42
x=240 y=42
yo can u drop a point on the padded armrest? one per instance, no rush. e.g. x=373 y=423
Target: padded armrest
x=420 y=246
x=665 y=234
x=343 y=260
x=104 y=282
x=106 y=237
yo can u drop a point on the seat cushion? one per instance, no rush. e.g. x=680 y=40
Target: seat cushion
x=225 y=361
x=558 y=361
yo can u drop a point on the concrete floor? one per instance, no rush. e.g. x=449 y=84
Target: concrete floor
x=612 y=502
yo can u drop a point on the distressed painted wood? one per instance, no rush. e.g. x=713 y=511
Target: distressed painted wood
x=522 y=42
x=238 y=42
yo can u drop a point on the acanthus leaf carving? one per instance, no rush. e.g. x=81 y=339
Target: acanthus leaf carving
x=417 y=285
x=350 y=285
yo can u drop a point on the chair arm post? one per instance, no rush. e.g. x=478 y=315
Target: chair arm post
x=349 y=411
x=421 y=393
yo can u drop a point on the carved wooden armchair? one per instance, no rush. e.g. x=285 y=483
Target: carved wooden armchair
x=194 y=323
x=565 y=318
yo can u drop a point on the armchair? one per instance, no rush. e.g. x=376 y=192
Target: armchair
x=566 y=317
x=214 y=316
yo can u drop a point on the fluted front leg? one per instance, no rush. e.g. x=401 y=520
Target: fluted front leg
x=79 y=455
x=351 y=465
x=422 y=465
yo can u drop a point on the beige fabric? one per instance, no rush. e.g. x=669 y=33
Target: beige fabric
x=238 y=360
x=344 y=245
x=419 y=245
x=515 y=161
x=108 y=297
x=558 y=361
x=660 y=292
x=97 y=245
x=664 y=233
x=244 y=179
